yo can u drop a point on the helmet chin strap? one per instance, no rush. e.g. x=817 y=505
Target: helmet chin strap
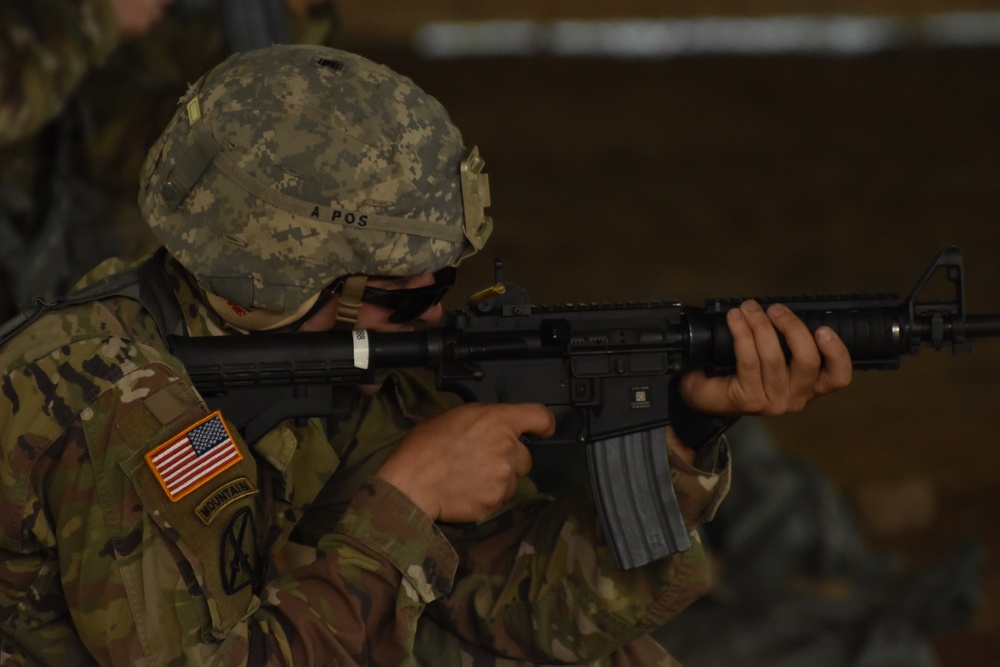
x=349 y=304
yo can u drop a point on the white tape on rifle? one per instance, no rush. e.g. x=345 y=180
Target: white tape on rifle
x=361 y=349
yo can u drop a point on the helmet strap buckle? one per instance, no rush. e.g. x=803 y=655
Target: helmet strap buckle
x=350 y=302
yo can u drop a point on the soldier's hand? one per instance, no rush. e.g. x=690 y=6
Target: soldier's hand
x=463 y=464
x=766 y=383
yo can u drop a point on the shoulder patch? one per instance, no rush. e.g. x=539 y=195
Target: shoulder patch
x=223 y=497
x=194 y=456
x=238 y=552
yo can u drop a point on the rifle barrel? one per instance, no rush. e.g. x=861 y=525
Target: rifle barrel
x=982 y=326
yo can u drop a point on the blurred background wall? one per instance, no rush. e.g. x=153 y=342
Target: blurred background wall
x=759 y=165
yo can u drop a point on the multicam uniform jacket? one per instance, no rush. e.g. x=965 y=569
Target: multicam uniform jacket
x=106 y=557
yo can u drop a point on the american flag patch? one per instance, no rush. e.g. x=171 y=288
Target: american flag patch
x=193 y=457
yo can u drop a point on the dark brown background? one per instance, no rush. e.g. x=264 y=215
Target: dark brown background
x=695 y=178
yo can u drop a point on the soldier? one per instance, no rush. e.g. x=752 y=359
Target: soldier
x=305 y=189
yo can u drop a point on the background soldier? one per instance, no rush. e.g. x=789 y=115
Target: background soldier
x=84 y=88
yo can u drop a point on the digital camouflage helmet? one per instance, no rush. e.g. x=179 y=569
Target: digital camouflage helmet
x=288 y=167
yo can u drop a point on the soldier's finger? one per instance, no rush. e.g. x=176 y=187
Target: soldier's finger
x=773 y=365
x=806 y=361
x=744 y=346
x=837 y=367
x=530 y=418
x=520 y=459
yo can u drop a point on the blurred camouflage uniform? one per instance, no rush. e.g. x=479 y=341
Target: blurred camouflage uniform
x=46 y=49
x=78 y=111
x=103 y=556
x=799 y=585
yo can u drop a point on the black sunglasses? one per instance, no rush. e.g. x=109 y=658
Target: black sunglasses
x=409 y=304
x=406 y=304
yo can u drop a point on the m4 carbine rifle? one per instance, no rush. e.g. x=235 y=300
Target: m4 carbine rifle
x=604 y=370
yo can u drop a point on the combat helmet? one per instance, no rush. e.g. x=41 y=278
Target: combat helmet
x=289 y=167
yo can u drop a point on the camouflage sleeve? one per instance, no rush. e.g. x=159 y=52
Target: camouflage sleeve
x=385 y=570
x=46 y=48
x=103 y=557
x=537 y=582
